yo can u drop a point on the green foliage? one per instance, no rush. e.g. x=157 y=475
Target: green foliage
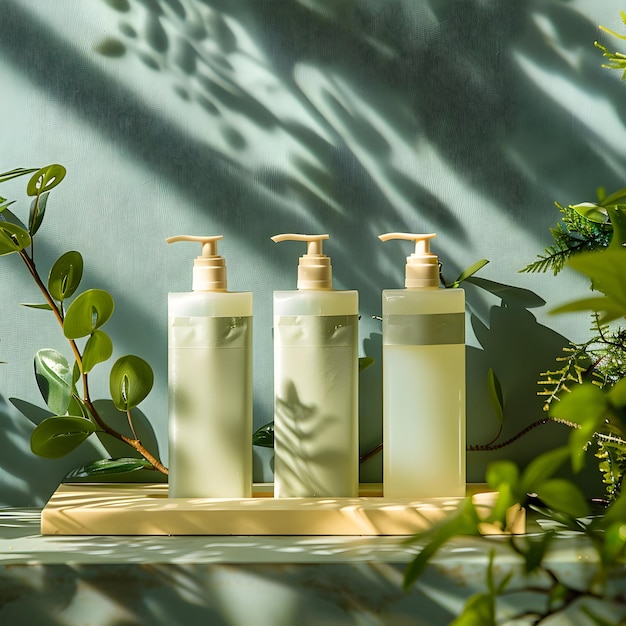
x=74 y=416
x=583 y=227
x=54 y=378
x=65 y=275
x=467 y=273
x=106 y=467
x=89 y=311
x=57 y=436
x=130 y=382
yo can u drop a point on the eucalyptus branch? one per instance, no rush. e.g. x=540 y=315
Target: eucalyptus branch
x=59 y=314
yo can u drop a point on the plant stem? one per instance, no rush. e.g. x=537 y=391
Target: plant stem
x=133 y=442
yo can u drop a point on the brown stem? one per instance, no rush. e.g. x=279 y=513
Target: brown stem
x=487 y=446
x=134 y=443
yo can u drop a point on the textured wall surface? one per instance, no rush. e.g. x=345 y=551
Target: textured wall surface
x=352 y=117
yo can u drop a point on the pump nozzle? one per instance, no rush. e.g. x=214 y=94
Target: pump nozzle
x=422 y=267
x=314 y=268
x=209 y=269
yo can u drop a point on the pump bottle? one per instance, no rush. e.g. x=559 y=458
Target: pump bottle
x=209 y=383
x=315 y=382
x=423 y=381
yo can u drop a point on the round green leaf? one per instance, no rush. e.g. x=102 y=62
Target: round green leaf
x=65 y=275
x=45 y=179
x=130 y=381
x=57 y=436
x=90 y=310
x=13 y=238
x=99 y=348
x=54 y=378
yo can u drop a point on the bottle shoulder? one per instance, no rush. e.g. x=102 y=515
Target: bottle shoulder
x=422 y=301
x=316 y=302
x=210 y=304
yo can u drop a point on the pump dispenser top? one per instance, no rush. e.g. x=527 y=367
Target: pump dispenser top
x=209 y=269
x=314 y=268
x=422 y=267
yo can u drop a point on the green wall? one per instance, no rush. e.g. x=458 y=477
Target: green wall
x=352 y=117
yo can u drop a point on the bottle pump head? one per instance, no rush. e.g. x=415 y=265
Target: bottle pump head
x=314 y=268
x=209 y=269
x=422 y=267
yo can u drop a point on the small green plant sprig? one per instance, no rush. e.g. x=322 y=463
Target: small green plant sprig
x=81 y=316
x=616 y=60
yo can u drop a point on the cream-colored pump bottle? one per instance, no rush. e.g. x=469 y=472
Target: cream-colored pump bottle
x=315 y=382
x=423 y=381
x=210 y=383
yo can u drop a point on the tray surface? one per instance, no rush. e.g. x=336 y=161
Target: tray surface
x=145 y=509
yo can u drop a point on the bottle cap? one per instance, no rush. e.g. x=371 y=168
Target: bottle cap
x=209 y=269
x=422 y=267
x=314 y=268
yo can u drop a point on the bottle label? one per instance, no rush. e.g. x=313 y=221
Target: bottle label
x=424 y=330
x=209 y=332
x=315 y=330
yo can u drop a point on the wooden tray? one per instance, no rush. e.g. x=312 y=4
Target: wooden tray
x=145 y=509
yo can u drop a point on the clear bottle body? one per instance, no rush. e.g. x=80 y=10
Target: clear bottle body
x=316 y=394
x=423 y=393
x=210 y=394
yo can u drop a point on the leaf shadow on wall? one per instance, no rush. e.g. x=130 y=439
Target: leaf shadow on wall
x=518 y=349
x=357 y=91
x=27 y=479
x=34 y=478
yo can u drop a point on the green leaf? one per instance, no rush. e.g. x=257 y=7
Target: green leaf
x=464 y=522
x=11 y=218
x=37 y=211
x=13 y=238
x=612 y=548
x=543 y=467
x=607 y=271
x=479 y=610
x=89 y=311
x=466 y=273
x=536 y=549
x=591 y=212
x=618 y=221
x=43 y=307
x=130 y=381
x=617 y=394
x=264 y=436
x=501 y=472
x=108 y=466
x=65 y=275
x=587 y=406
x=564 y=496
x=57 y=436
x=495 y=395
x=54 y=379
x=19 y=171
x=77 y=407
x=608 y=309
x=98 y=349
x=45 y=179
x=365 y=362
x=614 y=198
x=503 y=476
